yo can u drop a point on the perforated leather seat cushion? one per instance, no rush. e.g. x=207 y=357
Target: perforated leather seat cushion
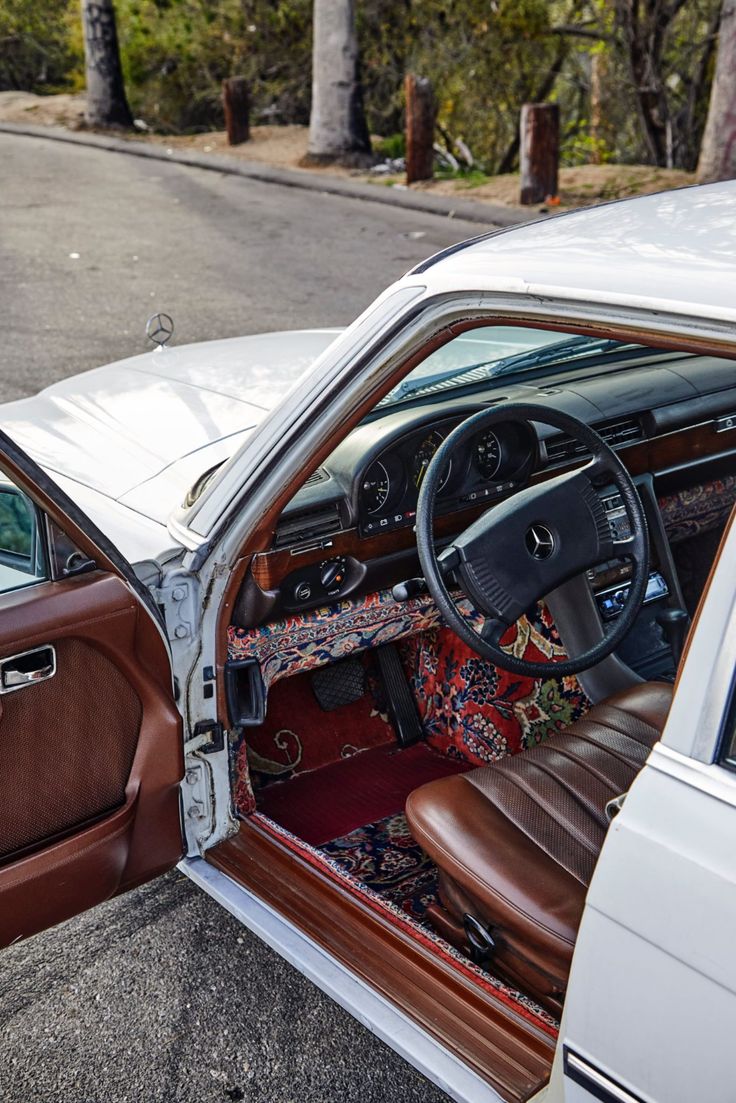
x=517 y=842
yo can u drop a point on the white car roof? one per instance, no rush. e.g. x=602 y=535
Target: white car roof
x=671 y=251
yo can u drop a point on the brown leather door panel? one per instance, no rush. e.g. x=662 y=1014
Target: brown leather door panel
x=91 y=759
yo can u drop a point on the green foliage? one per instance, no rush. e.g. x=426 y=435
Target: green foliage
x=176 y=53
x=37 y=50
x=466 y=178
x=391 y=147
x=485 y=58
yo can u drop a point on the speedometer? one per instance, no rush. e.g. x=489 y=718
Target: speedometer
x=375 y=488
x=487 y=454
x=423 y=457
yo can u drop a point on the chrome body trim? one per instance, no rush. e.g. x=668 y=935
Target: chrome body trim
x=595 y=1082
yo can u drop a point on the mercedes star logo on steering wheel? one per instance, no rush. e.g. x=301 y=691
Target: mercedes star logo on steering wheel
x=540 y=543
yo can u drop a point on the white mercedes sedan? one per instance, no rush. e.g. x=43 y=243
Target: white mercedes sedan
x=414 y=645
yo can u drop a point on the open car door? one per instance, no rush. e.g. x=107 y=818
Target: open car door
x=90 y=736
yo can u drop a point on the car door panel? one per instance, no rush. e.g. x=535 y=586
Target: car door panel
x=91 y=758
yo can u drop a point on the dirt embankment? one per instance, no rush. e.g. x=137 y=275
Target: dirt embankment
x=285 y=146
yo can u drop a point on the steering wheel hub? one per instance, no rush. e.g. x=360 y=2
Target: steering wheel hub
x=540 y=541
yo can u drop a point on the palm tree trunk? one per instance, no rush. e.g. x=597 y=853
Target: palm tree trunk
x=337 y=127
x=106 y=102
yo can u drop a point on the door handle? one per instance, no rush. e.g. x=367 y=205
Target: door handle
x=27 y=668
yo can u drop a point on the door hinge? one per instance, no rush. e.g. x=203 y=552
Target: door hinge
x=178 y=597
x=197 y=802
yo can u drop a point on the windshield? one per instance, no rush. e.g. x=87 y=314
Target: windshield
x=492 y=351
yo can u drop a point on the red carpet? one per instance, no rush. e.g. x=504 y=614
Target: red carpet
x=298 y=736
x=326 y=804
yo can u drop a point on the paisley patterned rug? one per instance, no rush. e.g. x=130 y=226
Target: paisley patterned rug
x=384 y=857
x=475 y=712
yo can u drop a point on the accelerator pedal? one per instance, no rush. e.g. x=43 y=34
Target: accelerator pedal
x=400 y=703
x=339 y=684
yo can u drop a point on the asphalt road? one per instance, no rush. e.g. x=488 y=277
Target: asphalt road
x=160 y=995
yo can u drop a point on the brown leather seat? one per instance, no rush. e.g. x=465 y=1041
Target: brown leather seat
x=516 y=843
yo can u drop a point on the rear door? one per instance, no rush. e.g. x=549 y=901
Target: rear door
x=90 y=736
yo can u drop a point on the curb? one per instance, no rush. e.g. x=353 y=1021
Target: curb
x=468 y=210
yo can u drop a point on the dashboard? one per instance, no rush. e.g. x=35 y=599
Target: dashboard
x=349 y=530
x=490 y=466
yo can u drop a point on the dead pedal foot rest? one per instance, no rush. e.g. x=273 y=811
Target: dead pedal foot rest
x=339 y=684
x=402 y=708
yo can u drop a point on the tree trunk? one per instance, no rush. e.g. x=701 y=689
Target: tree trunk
x=236 y=105
x=540 y=151
x=420 y=120
x=337 y=127
x=645 y=24
x=106 y=102
x=718 y=150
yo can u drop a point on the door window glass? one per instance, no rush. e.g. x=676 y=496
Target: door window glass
x=22 y=558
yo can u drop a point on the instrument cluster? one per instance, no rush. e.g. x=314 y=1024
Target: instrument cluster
x=495 y=462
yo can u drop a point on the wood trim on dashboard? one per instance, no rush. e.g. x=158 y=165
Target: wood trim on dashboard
x=504 y=1048
x=655 y=455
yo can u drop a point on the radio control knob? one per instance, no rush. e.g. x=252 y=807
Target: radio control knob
x=620 y=598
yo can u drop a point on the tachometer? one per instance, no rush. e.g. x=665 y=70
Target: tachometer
x=423 y=457
x=375 y=488
x=487 y=454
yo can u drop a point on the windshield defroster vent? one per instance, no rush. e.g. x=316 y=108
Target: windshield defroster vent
x=615 y=431
x=318 y=476
x=307 y=525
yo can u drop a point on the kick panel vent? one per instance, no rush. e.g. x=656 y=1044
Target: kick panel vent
x=307 y=524
x=615 y=431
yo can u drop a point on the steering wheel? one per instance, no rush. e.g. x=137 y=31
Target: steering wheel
x=524 y=547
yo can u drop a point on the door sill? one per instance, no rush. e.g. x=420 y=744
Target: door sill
x=503 y=1050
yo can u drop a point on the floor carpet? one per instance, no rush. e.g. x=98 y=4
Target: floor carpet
x=298 y=735
x=329 y=803
x=384 y=857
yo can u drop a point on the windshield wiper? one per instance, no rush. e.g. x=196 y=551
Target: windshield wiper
x=573 y=348
x=561 y=352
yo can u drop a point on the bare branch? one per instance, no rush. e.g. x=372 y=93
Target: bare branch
x=581 y=32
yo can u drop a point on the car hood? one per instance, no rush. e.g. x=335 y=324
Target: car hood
x=142 y=430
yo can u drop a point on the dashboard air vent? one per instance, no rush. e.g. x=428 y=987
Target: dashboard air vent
x=615 y=431
x=307 y=524
x=318 y=476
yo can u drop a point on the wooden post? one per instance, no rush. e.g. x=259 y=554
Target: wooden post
x=420 y=118
x=236 y=104
x=540 y=151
